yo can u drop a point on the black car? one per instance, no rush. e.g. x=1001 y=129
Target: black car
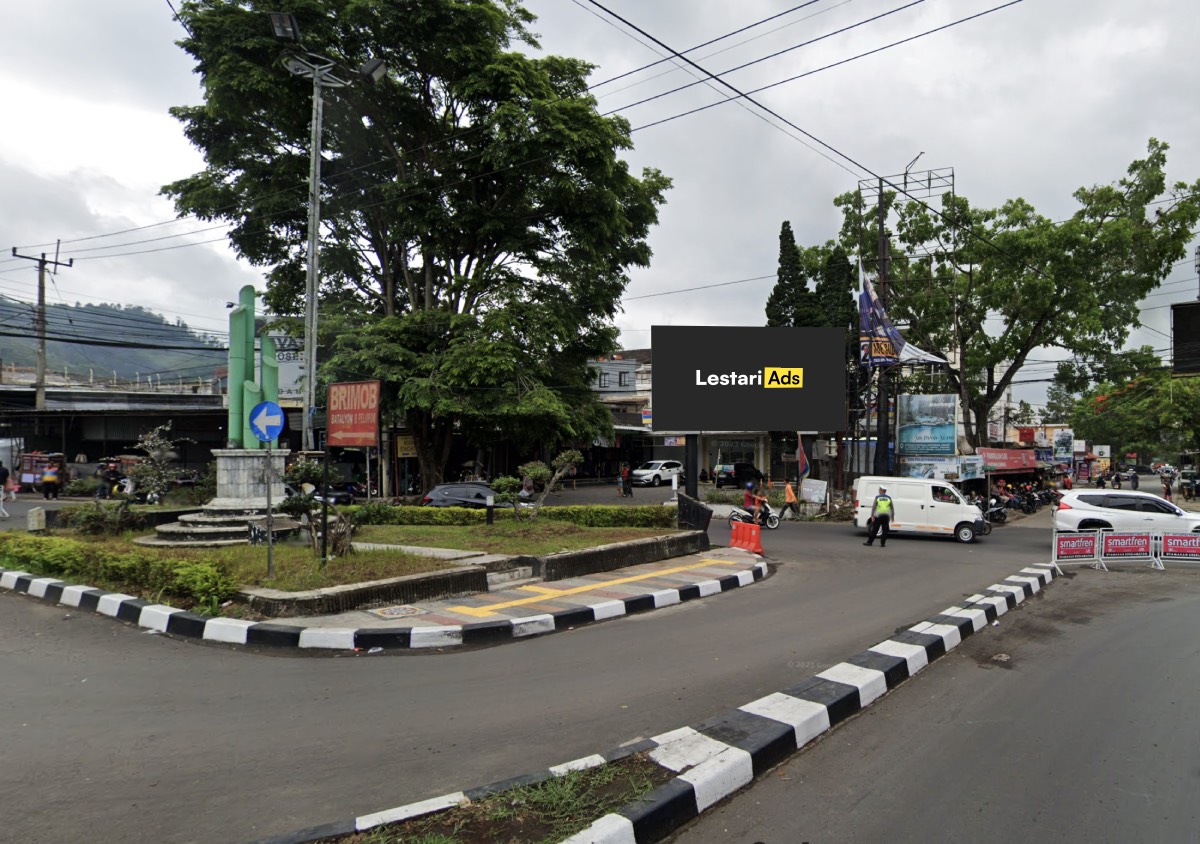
x=464 y=494
x=736 y=474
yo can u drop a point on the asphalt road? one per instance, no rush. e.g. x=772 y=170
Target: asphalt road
x=113 y=734
x=1084 y=729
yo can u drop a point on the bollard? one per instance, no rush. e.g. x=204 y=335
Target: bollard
x=491 y=509
x=35 y=521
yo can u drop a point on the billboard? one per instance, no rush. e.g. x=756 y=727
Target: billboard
x=927 y=425
x=748 y=379
x=353 y=414
x=1064 y=445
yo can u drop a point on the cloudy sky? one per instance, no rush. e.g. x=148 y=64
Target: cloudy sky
x=1033 y=100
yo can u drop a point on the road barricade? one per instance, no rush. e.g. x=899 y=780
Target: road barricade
x=746 y=536
x=1096 y=547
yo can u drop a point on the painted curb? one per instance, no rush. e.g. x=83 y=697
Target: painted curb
x=232 y=631
x=722 y=755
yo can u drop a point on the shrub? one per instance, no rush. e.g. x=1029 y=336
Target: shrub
x=101 y=519
x=582 y=515
x=374 y=513
x=140 y=573
x=80 y=488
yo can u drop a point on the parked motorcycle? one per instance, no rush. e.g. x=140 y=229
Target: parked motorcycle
x=767 y=516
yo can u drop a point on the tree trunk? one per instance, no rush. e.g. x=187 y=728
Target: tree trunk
x=432 y=439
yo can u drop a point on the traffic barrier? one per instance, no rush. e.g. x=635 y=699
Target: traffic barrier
x=1095 y=547
x=746 y=536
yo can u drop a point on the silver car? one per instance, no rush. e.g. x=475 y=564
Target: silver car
x=657 y=472
x=1121 y=510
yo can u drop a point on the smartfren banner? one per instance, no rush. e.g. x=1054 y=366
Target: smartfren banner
x=748 y=379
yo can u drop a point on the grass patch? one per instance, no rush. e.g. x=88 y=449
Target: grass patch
x=534 y=814
x=296 y=567
x=535 y=538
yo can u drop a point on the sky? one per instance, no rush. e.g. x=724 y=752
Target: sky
x=1034 y=100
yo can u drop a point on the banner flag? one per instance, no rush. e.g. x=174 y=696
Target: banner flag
x=802 y=466
x=880 y=344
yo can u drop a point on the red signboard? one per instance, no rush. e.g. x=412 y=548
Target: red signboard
x=1126 y=545
x=1026 y=435
x=353 y=414
x=1008 y=459
x=1067 y=546
x=1181 y=546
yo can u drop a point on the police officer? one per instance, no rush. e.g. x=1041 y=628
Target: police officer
x=882 y=510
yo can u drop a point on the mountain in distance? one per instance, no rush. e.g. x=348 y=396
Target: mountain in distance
x=77 y=337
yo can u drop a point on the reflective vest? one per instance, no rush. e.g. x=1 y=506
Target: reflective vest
x=883 y=506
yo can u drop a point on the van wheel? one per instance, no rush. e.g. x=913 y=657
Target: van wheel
x=965 y=532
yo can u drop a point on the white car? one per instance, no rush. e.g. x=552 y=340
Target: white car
x=1121 y=510
x=657 y=472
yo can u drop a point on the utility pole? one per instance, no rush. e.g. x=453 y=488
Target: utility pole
x=882 y=398
x=39 y=402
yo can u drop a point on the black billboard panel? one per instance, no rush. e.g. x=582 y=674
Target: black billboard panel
x=748 y=379
x=1185 y=337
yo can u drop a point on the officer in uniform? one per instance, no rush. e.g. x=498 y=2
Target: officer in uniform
x=882 y=510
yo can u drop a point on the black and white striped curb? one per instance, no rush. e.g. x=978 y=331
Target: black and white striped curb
x=234 y=631
x=724 y=754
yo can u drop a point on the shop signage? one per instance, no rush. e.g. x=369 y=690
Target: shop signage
x=353 y=414
x=1008 y=459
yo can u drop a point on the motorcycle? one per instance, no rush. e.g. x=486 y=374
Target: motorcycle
x=978 y=501
x=767 y=517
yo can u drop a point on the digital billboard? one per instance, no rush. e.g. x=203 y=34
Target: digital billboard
x=748 y=379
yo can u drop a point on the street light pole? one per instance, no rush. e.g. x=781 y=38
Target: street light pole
x=320 y=69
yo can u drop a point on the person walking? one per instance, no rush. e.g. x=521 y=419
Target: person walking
x=1133 y=479
x=789 y=501
x=1166 y=485
x=3 y=489
x=50 y=478
x=882 y=510
x=627 y=480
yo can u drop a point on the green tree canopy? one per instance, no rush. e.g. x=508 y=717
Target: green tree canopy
x=985 y=287
x=477 y=223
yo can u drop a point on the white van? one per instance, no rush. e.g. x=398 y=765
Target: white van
x=922 y=505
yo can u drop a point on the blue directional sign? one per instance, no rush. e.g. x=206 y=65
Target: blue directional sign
x=266 y=421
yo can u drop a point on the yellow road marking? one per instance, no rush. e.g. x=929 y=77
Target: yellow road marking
x=480 y=612
x=541 y=590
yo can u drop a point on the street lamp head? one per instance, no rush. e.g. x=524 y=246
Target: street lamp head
x=372 y=70
x=284 y=26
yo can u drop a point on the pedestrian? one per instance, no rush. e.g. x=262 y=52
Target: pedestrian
x=882 y=510
x=1133 y=479
x=1067 y=482
x=1166 y=485
x=789 y=501
x=627 y=480
x=620 y=485
x=3 y=489
x=50 y=481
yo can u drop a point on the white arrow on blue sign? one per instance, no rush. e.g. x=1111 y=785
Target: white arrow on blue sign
x=266 y=421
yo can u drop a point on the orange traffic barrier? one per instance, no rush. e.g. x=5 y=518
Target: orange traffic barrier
x=746 y=536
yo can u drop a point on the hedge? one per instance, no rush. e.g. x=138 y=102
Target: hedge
x=144 y=574
x=584 y=516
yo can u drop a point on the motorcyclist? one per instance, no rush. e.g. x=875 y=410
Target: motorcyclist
x=752 y=503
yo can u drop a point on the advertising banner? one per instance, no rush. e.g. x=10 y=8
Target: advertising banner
x=812 y=490
x=1181 y=546
x=880 y=344
x=353 y=414
x=1064 y=445
x=748 y=379
x=1026 y=435
x=1125 y=545
x=927 y=425
x=1076 y=548
x=1007 y=459
x=1104 y=452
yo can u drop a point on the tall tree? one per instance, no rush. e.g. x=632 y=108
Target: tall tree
x=477 y=223
x=992 y=285
x=792 y=302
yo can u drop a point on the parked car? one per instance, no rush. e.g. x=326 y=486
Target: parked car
x=735 y=474
x=1123 y=510
x=657 y=472
x=465 y=494
x=336 y=496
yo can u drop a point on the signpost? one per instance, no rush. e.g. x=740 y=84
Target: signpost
x=266 y=422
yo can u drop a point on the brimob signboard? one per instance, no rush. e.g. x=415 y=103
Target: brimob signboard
x=710 y=378
x=354 y=413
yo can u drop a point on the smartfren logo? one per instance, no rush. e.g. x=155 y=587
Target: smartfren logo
x=770 y=378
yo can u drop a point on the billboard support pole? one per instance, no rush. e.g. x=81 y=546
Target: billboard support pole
x=691 y=463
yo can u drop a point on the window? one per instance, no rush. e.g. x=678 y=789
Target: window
x=1121 y=502
x=602 y=379
x=622 y=379
x=945 y=495
x=1149 y=505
